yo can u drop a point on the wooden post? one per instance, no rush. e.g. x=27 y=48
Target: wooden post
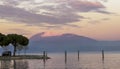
x=78 y=55
x=44 y=56
x=65 y=56
x=43 y=53
x=102 y=55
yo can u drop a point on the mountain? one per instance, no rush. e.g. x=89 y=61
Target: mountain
x=70 y=42
x=64 y=38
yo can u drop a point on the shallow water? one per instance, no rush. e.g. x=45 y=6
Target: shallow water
x=57 y=61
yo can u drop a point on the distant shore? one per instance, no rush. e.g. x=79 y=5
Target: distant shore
x=24 y=57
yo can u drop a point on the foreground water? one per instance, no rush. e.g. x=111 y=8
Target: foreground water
x=57 y=61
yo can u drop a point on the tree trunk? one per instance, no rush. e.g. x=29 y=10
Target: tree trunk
x=14 y=53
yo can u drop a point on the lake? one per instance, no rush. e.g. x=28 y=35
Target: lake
x=57 y=61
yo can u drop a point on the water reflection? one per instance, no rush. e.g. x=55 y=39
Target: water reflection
x=21 y=64
x=57 y=61
x=14 y=64
x=66 y=66
x=5 y=64
x=44 y=63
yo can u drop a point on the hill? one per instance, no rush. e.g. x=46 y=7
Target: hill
x=70 y=42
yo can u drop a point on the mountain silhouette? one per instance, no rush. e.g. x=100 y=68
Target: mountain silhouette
x=61 y=38
x=70 y=42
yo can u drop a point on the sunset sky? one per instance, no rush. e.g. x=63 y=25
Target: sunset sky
x=98 y=19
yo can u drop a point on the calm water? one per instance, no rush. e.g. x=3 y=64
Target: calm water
x=57 y=61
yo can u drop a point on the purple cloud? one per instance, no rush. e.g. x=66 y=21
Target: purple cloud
x=53 y=12
x=21 y=15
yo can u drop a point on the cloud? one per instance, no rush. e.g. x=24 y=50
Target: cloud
x=53 y=12
x=21 y=15
x=73 y=6
x=104 y=0
x=97 y=21
x=104 y=12
x=86 y=6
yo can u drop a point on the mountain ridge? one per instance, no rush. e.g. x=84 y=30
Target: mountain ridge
x=62 y=36
x=70 y=42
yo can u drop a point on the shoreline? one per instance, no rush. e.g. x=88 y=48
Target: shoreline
x=24 y=57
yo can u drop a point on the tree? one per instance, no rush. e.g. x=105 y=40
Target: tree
x=4 y=40
x=1 y=39
x=19 y=48
x=17 y=41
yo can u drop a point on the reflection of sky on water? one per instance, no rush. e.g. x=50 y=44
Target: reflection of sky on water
x=87 y=61
x=14 y=64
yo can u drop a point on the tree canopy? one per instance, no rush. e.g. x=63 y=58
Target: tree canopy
x=18 y=41
x=4 y=40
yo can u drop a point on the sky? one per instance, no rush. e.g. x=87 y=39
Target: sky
x=97 y=19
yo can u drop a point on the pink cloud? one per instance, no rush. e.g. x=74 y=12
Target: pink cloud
x=85 y=6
